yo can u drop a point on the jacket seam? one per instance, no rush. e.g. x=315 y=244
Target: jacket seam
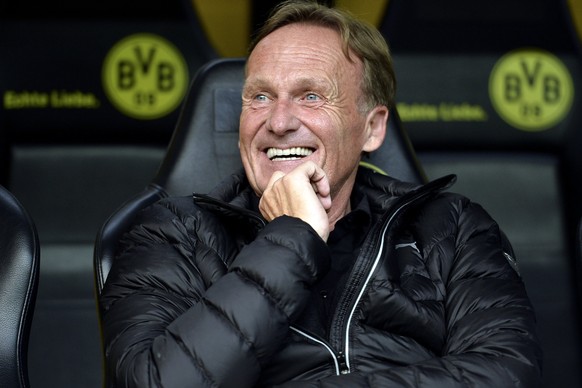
x=224 y=317
x=195 y=359
x=156 y=292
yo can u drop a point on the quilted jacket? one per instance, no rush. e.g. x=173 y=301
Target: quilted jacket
x=205 y=293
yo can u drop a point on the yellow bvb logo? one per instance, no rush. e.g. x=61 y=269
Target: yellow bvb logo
x=531 y=89
x=145 y=76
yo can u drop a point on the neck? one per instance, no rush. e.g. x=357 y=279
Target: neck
x=341 y=205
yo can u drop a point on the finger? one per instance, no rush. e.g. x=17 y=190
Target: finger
x=313 y=171
x=318 y=179
x=274 y=178
x=320 y=184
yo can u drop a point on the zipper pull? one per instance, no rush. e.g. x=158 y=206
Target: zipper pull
x=343 y=366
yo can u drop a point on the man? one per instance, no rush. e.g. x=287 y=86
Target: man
x=306 y=270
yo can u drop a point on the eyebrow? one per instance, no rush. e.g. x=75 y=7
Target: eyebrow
x=313 y=83
x=304 y=83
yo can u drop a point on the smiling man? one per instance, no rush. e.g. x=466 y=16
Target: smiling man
x=304 y=124
x=306 y=270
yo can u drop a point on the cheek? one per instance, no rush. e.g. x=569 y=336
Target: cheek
x=251 y=120
x=246 y=129
x=347 y=131
x=350 y=141
x=330 y=121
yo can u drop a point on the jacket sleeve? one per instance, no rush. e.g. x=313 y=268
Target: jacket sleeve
x=491 y=339
x=175 y=316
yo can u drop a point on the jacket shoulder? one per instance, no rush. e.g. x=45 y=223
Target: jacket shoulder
x=166 y=246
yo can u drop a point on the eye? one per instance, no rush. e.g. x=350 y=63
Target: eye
x=312 y=97
x=259 y=100
x=312 y=100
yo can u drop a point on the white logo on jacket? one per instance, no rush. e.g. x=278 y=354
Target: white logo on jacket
x=411 y=245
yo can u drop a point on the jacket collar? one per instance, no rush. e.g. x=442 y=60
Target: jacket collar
x=381 y=190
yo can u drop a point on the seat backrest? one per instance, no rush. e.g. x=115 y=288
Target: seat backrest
x=204 y=150
x=100 y=72
x=90 y=95
x=90 y=98
x=485 y=76
x=489 y=90
x=19 y=265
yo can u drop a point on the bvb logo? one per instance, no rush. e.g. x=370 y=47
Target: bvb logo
x=145 y=76
x=531 y=89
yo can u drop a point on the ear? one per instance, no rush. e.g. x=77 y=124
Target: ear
x=376 y=122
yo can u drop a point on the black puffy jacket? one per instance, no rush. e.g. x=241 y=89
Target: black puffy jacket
x=205 y=293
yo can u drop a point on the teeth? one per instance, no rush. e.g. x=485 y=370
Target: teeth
x=289 y=153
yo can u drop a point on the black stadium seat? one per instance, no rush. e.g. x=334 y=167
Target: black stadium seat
x=19 y=266
x=90 y=93
x=490 y=91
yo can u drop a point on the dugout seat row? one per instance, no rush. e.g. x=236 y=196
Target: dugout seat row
x=468 y=75
x=200 y=136
x=72 y=167
x=72 y=152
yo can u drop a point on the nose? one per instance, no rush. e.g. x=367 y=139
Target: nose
x=282 y=117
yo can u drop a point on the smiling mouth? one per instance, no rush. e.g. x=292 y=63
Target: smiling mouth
x=293 y=153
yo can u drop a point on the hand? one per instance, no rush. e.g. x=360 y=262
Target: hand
x=303 y=193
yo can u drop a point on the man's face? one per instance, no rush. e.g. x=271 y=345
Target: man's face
x=300 y=102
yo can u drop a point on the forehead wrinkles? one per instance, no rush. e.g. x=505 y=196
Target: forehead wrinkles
x=302 y=38
x=306 y=52
x=295 y=56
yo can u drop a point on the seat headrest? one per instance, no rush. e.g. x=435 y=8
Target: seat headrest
x=103 y=72
x=485 y=77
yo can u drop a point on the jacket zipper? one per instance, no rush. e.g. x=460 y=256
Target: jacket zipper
x=344 y=354
x=336 y=358
x=379 y=250
x=341 y=358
